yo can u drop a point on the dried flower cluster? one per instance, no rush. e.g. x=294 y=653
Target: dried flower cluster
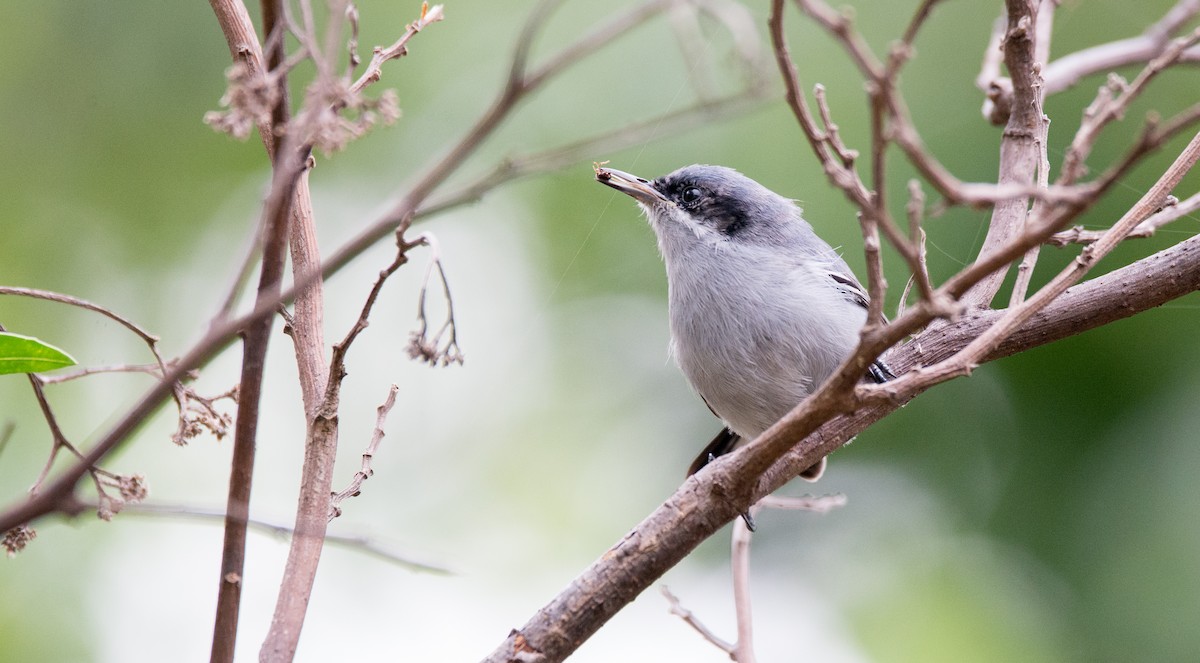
x=17 y=538
x=431 y=351
x=198 y=414
x=132 y=488
x=332 y=131
x=249 y=98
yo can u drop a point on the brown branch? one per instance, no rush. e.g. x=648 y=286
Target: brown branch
x=60 y=490
x=997 y=89
x=844 y=154
x=397 y=49
x=306 y=325
x=743 y=650
x=690 y=618
x=840 y=174
x=739 y=563
x=320 y=453
x=287 y=168
x=812 y=503
x=361 y=543
x=150 y=339
x=1044 y=28
x=841 y=26
x=366 y=471
x=85 y=371
x=1065 y=72
x=826 y=144
x=915 y=210
x=131 y=488
x=1111 y=103
x=1172 y=211
x=256 y=338
x=698 y=115
x=518 y=87
x=1122 y=293
x=1019 y=144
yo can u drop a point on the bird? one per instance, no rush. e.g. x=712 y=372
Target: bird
x=761 y=309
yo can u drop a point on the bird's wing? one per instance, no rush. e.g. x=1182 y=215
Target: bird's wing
x=851 y=288
x=879 y=372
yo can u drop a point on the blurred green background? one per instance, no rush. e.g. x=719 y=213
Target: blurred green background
x=1045 y=509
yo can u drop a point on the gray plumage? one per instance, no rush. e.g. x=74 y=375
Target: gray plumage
x=762 y=310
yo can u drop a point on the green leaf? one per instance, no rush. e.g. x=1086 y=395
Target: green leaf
x=26 y=354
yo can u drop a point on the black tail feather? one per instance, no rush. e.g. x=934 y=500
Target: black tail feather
x=722 y=444
x=879 y=372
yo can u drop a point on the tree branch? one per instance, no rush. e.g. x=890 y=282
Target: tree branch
x=356 y=542
x=1019 y=144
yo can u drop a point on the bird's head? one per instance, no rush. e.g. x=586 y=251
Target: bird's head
x=712 y=204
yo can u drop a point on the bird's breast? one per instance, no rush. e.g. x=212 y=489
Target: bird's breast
x=754 y=339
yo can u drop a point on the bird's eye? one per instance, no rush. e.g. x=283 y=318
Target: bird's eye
x=691 y=194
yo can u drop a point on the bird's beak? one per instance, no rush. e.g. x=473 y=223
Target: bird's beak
x=631 y=185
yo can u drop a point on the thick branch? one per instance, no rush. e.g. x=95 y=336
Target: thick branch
x=1019 y=145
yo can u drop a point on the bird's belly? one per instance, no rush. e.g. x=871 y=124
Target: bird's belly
x=753 y=368
x=749 y=391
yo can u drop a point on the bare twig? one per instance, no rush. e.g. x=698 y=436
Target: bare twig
x=276 y=217
x=318 y=123
x=743 y=650
x=685 y=24
x=191 y=419
x=915 y=210
x=1110 y=104
x=813 y=503
x=739 y=562
x=1029 y=260
x=1019 y=146
x=1041 y=54
x=150 y=339
x=841 y=25
x=366 y=471
x=58 y=442
x=398 y=49
x=874 y=214
x=997 y=89
x=846 y=155
x=1172 y=211
x=357 y=542
x=697 y=115
x=84 y=371
x=689 y=618
x=1068 y=70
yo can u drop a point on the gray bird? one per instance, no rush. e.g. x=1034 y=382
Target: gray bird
x=762 y=310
